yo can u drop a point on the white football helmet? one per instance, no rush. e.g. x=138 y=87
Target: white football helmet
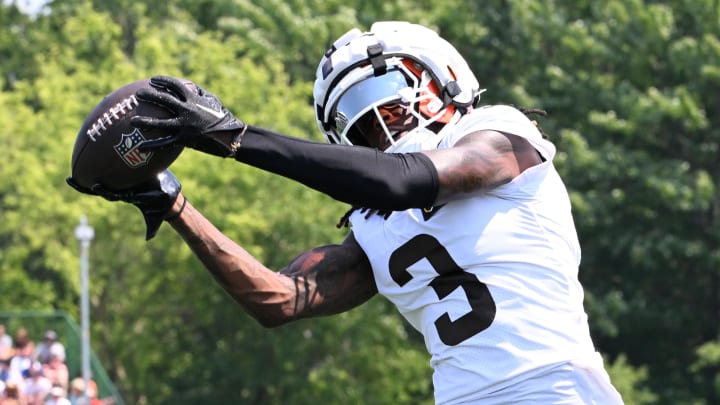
x=399 y=77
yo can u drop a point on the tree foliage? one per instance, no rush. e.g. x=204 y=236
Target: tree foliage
x=631 y=89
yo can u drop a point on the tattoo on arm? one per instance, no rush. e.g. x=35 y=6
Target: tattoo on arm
x=329 y=280
x=477 y=170
x=479 y=162
x=321 y=281
x=305 y=296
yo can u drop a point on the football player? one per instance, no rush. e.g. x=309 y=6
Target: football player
x=474 y=242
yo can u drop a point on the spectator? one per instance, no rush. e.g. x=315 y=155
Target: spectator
x=50 y=345
x=57 y=371
x=37 y=386
x=77 y=392
x=20 y=364
x=6 y=344
x=57 y=397
x=13 y=395
x=22 y=340
x=92 y=393
x=7 y=375
x=4 y=370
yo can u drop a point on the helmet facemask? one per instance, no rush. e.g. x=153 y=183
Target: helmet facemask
x=376 y=111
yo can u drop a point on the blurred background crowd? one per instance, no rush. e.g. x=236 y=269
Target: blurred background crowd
x=33 y=372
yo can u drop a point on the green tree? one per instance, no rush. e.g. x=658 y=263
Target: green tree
x=631 y=91
x=631 y=88
x=150 y=317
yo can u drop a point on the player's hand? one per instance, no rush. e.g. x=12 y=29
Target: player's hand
x=154 y=198
x=199 y=120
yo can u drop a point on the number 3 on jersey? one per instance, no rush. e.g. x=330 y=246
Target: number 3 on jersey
x=450 y=277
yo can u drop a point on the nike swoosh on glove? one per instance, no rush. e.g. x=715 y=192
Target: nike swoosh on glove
x=199 y=120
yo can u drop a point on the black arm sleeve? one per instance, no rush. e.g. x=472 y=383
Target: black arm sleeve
x=357 y=175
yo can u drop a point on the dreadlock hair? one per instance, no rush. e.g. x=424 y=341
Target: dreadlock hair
x=344 y=221
x=529 y=112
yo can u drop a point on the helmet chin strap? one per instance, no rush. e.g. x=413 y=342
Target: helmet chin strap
x=420 y=138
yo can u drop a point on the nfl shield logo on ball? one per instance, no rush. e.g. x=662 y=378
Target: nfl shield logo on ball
x=128 y=149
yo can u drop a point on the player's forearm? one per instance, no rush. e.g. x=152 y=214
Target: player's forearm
x=321 y=281
x=359 y=176
x=266 y=295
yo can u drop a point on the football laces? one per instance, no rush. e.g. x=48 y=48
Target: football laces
x=113 y=114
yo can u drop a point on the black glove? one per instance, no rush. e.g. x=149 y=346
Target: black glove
x=200 y=120
x=154 y=198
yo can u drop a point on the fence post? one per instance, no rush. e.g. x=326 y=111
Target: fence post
x=84 y=233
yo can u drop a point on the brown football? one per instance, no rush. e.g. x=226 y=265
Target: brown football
x=106 y=148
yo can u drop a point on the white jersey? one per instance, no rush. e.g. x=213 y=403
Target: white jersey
x=492 y=284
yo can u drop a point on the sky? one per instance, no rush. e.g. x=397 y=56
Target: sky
x=31 y=7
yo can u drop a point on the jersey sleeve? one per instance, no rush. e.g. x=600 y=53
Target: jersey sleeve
x=501 y=118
